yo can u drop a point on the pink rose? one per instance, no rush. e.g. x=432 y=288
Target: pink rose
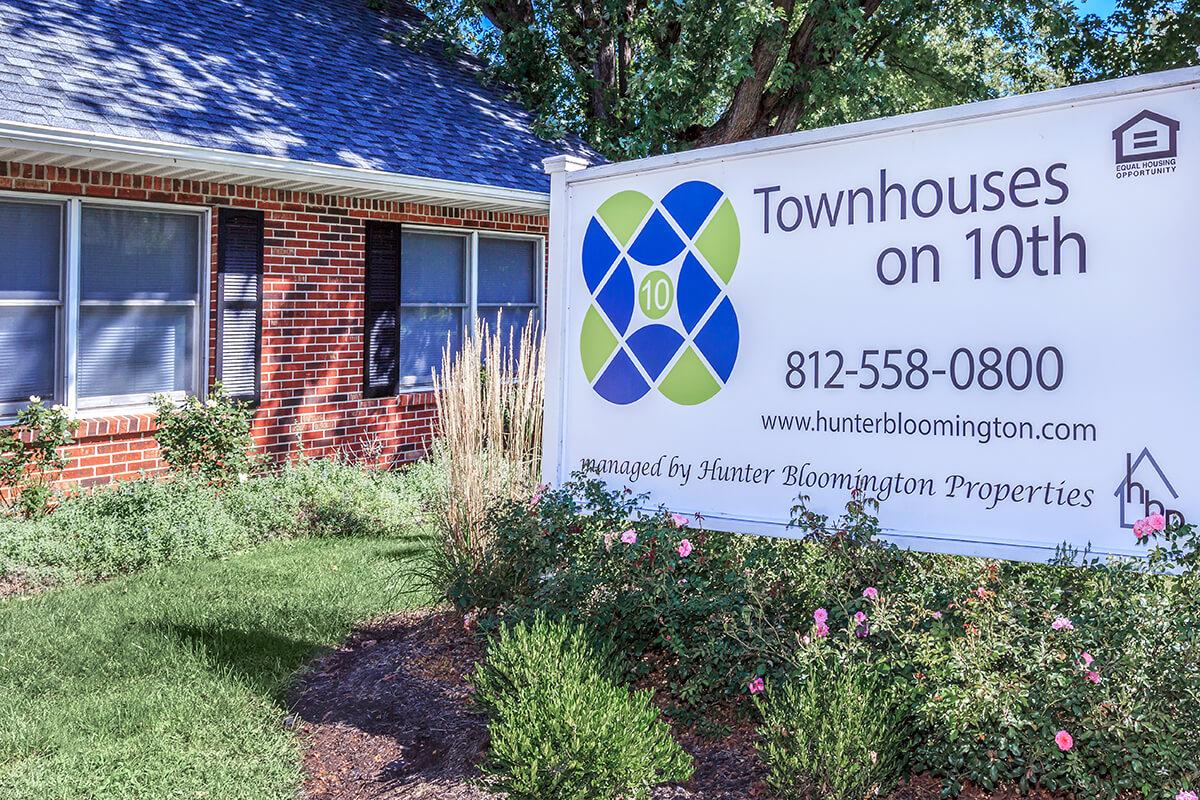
x=820 y=616
x=755 y=686
x=871 y=593
x=821 y=631
x=679 y=520
x=1062 y=624
x=1092 y=677
x=685 y=548
x=1141 y=529
x=937 y=615
x=629 y=537
x=1186 y=795
x=860 y=617
x=1064 y=741
x=1086 y=658
x=1157 y=522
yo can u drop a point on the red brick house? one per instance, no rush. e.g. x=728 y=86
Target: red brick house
x=299 y=200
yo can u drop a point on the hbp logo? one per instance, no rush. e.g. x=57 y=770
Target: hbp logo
x=657 y=274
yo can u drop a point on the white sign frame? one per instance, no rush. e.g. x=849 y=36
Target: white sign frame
x=562 y=321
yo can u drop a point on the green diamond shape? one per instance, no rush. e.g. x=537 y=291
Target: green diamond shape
x=624 y=212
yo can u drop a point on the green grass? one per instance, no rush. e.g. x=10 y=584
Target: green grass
x=173 y=683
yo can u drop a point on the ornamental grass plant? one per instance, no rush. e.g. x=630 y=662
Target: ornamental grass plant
x=488 y=439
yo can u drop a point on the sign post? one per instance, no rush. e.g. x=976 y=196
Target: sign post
x=985 y=316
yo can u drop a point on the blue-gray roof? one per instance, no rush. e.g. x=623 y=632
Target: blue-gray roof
x=316 y=81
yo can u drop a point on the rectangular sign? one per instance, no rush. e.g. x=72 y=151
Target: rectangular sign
x=984 y=316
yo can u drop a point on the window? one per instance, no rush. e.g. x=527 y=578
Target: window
x=434 y=301
x=102 y=305
x=451 y=284
x=31 y=293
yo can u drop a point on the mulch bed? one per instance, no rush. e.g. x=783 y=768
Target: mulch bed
x=388 y=716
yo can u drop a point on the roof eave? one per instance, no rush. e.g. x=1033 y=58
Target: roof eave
x=87 y=150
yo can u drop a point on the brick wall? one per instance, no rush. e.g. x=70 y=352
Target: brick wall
x=311 y=369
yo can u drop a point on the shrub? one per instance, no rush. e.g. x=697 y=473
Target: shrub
x=30 y=453
x=210 y=438
x=132 y=525
x=324 y=497
x=706 y=621
x=994 y=680
x=561 y=727
x=832 y=734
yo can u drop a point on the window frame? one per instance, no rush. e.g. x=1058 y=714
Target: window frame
x=70 y=302
x=471 y=274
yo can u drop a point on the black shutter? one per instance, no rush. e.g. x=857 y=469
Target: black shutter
x=239 y=301
x=381 y=322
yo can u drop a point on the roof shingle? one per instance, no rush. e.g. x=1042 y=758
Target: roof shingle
x=320 y=81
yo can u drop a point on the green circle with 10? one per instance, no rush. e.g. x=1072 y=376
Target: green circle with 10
x=656 y=295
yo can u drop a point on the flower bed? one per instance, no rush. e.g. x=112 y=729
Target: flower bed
x=1064 y=678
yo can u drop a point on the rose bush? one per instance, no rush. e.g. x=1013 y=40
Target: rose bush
x=1074 y=677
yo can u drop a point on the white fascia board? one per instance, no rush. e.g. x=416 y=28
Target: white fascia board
x=333 y=179
x=951 y=115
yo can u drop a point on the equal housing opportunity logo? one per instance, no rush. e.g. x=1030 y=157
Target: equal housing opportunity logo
x=657 y=274
x=1146 y=144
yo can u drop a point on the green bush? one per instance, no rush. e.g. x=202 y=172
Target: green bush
x=123 y=527
x=210 y=438
x=994 y=681
x=325 y=497
x=132 y=525
x=561 y=727
x=833 y=734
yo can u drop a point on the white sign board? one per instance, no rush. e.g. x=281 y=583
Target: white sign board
x=985 y=316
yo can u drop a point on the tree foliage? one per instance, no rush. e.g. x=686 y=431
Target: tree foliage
x=637 y=77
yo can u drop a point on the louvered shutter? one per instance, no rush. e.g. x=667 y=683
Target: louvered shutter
x=239 y=301
x=381 y=324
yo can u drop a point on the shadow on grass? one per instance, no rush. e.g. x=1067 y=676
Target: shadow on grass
x=256 y=656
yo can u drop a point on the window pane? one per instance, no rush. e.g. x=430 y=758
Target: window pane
x=26 y=353
x=127 y=350
x=510 y=322
x=134 y=254
x=423 y=334
x=433 y=268
x=31 y=235
x=507 y=271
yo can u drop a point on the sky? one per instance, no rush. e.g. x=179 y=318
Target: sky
x=1100 y=8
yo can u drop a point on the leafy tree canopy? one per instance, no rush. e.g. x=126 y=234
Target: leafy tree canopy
x=638 y=77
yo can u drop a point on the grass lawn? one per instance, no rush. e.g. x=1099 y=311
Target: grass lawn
x=171 y=683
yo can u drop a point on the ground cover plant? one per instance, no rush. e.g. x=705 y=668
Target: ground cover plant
x=212 y=501
x=1066 y=677
x=134 y=525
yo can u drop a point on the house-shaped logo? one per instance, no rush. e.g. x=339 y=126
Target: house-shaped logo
x=1144 y=490
x=1145 y=136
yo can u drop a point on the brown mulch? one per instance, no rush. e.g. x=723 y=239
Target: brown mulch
x=388 y=716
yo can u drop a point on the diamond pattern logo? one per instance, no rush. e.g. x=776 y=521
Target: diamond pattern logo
x=660 y=317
